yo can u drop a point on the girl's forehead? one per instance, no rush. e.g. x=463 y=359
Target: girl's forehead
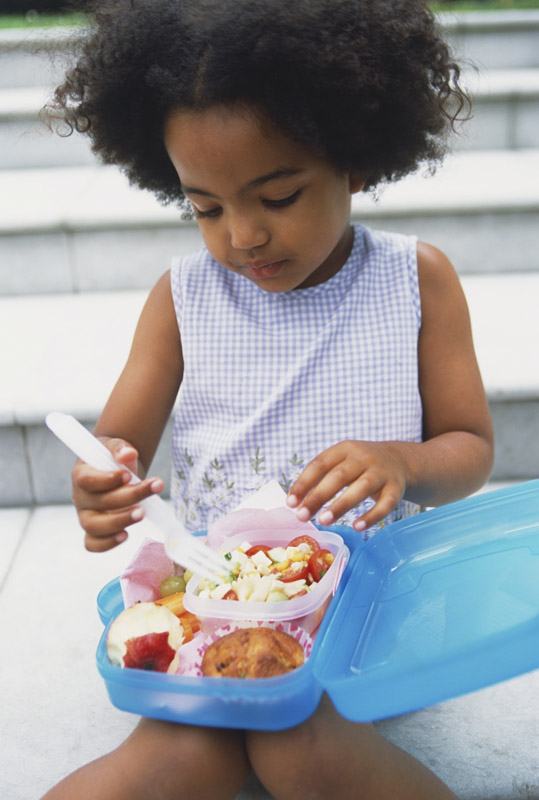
x=219 y=122
x=222 y=142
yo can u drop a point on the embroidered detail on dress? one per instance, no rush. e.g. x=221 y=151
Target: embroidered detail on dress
x=219 y=498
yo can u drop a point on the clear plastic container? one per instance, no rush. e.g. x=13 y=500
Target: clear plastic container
x=306 y=611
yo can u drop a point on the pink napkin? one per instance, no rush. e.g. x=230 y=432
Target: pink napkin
x=144 y=574
x=265 y=510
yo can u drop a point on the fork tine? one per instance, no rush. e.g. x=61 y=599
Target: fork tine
x=197 y=557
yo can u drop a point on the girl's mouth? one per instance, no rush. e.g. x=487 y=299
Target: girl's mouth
x=259 y=271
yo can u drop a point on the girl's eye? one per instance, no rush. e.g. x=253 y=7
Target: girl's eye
x=285 y=201
x=211 y=212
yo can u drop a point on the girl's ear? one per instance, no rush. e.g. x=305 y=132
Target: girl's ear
x=355 y=182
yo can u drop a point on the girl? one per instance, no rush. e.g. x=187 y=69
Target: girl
x=336 y=359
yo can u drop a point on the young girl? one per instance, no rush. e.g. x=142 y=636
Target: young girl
x=333 y=358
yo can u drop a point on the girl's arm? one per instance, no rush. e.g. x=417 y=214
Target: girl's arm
x=132 y=423
x=456 y=455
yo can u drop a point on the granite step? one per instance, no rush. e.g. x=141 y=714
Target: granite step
x=85 y=229
x=491 y=39
x=494 y=39
x=65 y=352
x=506 y=115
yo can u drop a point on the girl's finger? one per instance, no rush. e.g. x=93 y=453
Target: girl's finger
x=356 y=493
x=124 y=453
x=121 y=497
x=104 y=531
x=386 y=502
x=312 y=476
x=343 y=475
x=94 y=480
x=102 y=544
x=98 y=524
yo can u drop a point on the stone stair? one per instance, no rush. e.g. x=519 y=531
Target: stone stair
x=79 y=248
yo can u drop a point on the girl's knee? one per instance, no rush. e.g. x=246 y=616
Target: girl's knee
x=314 y=758
x=208 y=762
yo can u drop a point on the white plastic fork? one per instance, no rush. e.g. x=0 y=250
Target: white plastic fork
x=180 y=545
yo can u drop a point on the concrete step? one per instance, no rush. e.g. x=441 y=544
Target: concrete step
x=35 y=56
x=505 y=110
x=66 y=351
x=506 y=116
x=493 y=40
x=86 y=229
x=26 y=139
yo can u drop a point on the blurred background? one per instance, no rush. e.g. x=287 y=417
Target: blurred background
x=79 y=250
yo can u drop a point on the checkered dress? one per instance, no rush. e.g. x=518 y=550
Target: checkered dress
x=273 y=379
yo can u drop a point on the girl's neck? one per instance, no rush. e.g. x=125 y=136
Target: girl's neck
x=334 y=262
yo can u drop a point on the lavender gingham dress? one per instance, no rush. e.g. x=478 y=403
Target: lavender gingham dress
x=272 y=379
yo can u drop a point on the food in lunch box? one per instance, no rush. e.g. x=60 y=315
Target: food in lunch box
x=146 y=636
x=261 y=573
x=174 y=602
x=172 y=585
x=252 y=653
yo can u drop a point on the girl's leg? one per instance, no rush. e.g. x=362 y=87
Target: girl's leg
x=328 y=756
x=163 y=761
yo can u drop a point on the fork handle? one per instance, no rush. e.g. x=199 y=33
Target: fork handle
x=94 y=453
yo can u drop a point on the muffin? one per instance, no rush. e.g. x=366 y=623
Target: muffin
x=252 y=653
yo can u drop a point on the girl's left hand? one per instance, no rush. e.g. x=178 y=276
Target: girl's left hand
x=361 y=469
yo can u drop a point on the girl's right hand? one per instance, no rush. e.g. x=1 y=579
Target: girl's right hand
x=106 y=502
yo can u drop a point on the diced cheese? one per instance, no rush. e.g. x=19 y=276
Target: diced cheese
x=276 y=596
x=293 y=587
x=219 y=592
x=277 y=554
x=261 y=560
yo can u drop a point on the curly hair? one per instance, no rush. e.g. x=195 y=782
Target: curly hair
x=369 y=84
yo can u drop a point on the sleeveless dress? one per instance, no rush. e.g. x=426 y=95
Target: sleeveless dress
x=273 y=379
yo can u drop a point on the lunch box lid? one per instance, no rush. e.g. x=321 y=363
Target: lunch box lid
x=432 y=607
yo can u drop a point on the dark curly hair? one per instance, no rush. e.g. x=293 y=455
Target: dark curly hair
x=368 y=83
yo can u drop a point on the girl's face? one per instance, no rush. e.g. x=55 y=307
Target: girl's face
x=267 y=208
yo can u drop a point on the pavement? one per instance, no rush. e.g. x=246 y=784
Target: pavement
x=56 y=715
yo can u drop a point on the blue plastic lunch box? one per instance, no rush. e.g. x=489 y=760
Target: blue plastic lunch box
x=430 y=608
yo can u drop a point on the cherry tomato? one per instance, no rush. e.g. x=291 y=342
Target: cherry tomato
x=319 y=563
x=305 y=539
x=257 y=548
x=230 y=595
x=290 y=574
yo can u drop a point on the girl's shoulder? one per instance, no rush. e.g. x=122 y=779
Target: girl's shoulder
x=385 y=243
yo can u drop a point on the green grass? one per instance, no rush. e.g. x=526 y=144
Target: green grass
x=36 y=20
x=487 y=5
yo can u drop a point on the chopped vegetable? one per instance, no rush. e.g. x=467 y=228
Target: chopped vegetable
x=260 y=573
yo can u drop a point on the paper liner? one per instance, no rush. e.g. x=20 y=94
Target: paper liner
x=191 y=653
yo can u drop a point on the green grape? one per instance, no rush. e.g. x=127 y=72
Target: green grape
x=172 y=584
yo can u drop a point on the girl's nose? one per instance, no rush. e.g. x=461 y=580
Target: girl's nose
x=247 y=231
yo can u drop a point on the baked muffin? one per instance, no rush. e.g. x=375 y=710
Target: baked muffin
x=252 y=653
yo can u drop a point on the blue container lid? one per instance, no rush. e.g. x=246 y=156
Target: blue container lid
x=430 y=608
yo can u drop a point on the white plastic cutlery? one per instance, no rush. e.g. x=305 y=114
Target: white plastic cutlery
x=183 y=548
